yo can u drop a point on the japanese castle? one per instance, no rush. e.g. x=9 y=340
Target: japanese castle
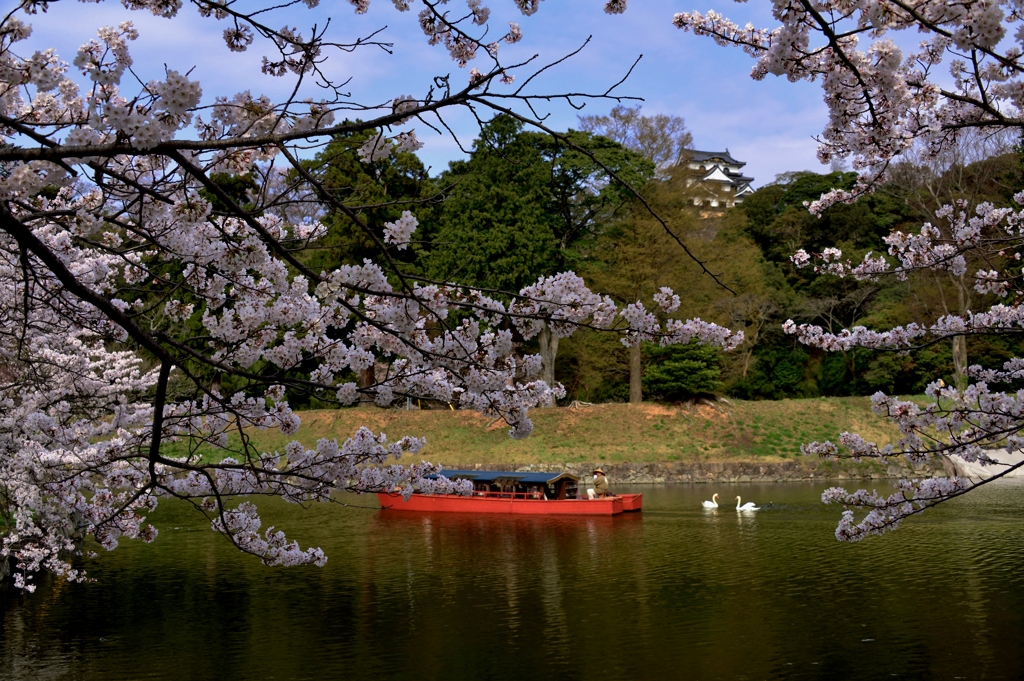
x=719 y=175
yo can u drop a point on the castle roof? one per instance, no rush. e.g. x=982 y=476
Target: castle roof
x=723 y=156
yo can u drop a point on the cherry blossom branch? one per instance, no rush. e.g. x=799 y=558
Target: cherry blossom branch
x=112 y=255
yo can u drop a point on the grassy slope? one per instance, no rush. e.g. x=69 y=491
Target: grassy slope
x=737 y=431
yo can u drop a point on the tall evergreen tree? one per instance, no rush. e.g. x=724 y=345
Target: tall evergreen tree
x=363 y=197
x=527 y=204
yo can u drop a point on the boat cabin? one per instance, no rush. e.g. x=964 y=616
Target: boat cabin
x=518 y=485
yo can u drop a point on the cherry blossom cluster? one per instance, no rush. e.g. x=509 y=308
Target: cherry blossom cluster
x=71 y=414
x=963 y=422
x=563 y=302
x=970 y=418
x=441 y=29
x=987 y=229
x=667 y=300
x=400 y=231
x=71 y=439
x=132 y=282
x=882 y=100
x=886 y=512
x=379 y=147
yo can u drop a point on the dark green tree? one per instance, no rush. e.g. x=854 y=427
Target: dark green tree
x=680 y=372
x=526 y=204
x=238 y=187
x=362 y=197
x=778 y=220
x=775 y=217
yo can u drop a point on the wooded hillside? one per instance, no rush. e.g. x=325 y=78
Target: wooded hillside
x=525 y=204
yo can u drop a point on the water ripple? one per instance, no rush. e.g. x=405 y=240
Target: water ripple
x=674 y=591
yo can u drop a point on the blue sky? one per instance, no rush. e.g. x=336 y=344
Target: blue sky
x=769 y=124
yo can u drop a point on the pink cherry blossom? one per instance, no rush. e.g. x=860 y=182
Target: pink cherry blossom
x=966 y=74
x=134 y=289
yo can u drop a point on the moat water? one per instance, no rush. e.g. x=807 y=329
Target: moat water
x=673 y=593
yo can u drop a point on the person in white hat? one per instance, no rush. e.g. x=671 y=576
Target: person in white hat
x=600 y=483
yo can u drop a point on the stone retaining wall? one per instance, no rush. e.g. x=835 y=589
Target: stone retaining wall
x=784 y=471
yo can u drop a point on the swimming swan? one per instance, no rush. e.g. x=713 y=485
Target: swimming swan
x=712 y=503
x=749 y=506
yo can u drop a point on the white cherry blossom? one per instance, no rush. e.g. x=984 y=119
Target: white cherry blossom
x=134 y=288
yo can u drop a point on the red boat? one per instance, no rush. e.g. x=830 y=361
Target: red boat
x=516 y=493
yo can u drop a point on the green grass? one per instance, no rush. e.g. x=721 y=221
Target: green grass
x=734 y=431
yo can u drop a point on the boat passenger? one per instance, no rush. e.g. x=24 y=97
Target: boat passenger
x=600 y=483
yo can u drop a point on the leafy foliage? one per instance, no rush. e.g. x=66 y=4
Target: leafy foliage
x=525 y=204
x=360 y=198
x=680 y=372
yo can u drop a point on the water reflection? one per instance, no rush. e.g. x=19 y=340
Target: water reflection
x=678 y=591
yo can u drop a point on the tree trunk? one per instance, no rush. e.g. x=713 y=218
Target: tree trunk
x=548 y=352
x=960 y=342
x=747 y=356
x=366 y=379
x=960 y=362
x=636 y=393
x=751 y=343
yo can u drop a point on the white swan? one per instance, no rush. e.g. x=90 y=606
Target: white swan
x=712 y=503
x=749 y=506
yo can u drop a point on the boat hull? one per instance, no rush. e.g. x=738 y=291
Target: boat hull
x=451 y=503
x=632 y=502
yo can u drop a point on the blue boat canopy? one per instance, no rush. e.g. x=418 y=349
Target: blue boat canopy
x=520 y=477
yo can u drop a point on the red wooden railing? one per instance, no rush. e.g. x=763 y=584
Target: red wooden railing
x=509 y=495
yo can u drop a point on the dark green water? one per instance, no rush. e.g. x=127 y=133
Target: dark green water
x=673 y=593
